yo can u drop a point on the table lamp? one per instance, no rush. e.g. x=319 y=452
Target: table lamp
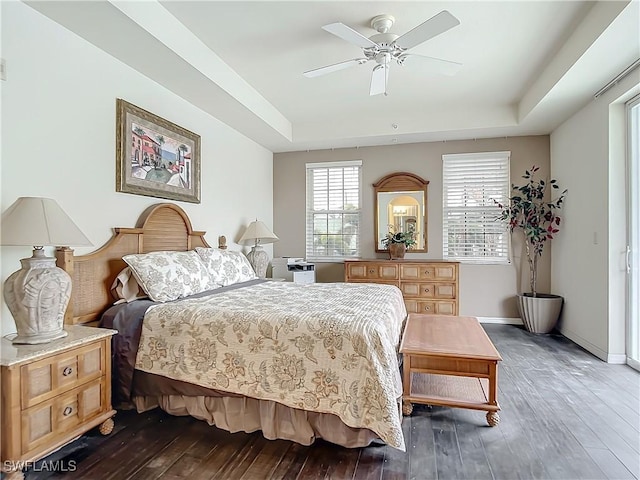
x=258 y=233
x=38 y=294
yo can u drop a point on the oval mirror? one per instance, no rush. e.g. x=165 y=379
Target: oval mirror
x=400 y=205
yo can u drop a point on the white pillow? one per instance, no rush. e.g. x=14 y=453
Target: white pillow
x=167 y=276
x=226 y=267
x=125 y=287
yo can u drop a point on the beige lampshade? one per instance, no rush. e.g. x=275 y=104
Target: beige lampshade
x=39 y=221
x=256 y=233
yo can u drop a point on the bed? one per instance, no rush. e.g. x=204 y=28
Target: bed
x=298 y=362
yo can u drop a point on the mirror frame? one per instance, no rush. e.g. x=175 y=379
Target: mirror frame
x=400 y=182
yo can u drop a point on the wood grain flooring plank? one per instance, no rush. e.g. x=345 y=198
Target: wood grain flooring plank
x=291 y=462
x=421 y=446
x=266 y=460
x=609 y=464
x=475 y=464
x=320 y=457
x=140 y=449
x=448 y=456
x=187 y=440
x=213 y=466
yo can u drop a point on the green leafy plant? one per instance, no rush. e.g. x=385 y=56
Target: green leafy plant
x=396 y=236
x=529 y=210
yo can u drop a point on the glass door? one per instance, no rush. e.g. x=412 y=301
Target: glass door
x=633 y=226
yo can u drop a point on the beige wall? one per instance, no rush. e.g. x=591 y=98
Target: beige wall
x=485 y=290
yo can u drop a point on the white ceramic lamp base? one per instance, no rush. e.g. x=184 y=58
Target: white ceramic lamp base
x=259 y=260
x=37 y=297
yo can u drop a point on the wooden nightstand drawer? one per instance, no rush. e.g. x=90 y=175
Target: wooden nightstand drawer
x=52 y=376
x=47 y=420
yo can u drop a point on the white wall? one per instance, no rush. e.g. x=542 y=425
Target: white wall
x=58 y=139
x=588 y=158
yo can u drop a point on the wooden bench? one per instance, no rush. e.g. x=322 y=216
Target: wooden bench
x=449 y=361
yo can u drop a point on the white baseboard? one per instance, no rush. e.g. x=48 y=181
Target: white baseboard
x=501 y=320
x=617 y=358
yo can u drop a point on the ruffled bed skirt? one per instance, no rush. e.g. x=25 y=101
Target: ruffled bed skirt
x=277 y=421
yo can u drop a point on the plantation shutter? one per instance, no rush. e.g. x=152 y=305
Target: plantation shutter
x=472 y=184
x=333 y=210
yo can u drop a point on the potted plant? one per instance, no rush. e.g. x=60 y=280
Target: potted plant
x=398 y=242
x=531 y=211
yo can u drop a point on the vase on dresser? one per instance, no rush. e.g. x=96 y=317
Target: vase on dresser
x=397 y=250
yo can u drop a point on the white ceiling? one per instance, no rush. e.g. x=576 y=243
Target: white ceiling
x=527 y=65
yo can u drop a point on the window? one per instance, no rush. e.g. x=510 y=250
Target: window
x=471 y=184
x=333 y=210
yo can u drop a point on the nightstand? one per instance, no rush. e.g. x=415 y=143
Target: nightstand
x=53 y=393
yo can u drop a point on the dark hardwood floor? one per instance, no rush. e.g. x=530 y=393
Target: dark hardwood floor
x=565 y=415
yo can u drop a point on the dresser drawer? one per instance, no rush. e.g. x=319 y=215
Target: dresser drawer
x=433 y=271
x=371 y=271
x=55 y=375
x=47 y=420
x=431 y=307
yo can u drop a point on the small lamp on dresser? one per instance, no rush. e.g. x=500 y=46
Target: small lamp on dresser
x=258 y=233
x=38 y=294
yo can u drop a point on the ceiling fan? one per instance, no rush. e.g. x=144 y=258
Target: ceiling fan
x=384 y=47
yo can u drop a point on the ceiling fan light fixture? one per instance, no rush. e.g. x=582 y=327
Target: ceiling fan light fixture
x=384 y=47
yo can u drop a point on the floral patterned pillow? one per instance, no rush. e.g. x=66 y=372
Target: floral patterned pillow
x=167 y=276
x=226 y=267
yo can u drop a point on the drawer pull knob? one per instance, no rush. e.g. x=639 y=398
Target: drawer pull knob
x=67 y=411
x=427 y=308
x=372 y=271
x=426 y=290
x=426 y=272
x=67 y=371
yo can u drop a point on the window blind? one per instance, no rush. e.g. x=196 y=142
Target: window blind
x=472 y=184
x=333 y=210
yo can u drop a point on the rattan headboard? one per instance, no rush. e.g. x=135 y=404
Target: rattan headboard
x=164 y=226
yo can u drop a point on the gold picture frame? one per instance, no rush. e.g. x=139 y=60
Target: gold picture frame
x=155 y=157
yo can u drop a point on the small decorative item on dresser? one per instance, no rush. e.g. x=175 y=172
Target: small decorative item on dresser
x=398 y=242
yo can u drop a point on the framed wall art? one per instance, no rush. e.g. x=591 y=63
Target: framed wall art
x=154 y=156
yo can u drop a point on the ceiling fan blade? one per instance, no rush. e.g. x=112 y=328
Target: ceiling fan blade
x=334 y=68
x=436 y=25
x=379 y=79
x=349 y=34
x=436 y=65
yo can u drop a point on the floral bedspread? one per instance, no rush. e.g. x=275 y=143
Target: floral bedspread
x=328 y=348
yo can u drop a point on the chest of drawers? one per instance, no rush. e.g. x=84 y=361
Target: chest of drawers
x=54 y=392
x=427 y=286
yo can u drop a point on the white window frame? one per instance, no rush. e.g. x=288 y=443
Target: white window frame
x=311 y=253
x=467 y=194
